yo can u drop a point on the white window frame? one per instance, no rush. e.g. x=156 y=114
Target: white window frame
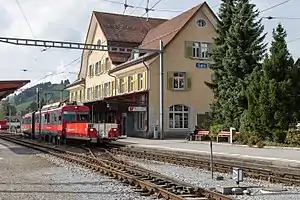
x=97 y=71
x=107 y=64
x=90 y=70
x=202 y=24
x=97 y=92
x=89 y=94
x=184 y=112
x=122 y=85
x=140 y=81
x=106 y=89
x=179 y=80
x=130 y=83
x=201 y=50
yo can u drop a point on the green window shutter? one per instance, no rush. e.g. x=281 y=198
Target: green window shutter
x=188 y=82
x=188 y=49
x=170 y=76
x=210 y=49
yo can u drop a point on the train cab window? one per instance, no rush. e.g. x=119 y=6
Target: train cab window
x=69 y=116
x=83 y=116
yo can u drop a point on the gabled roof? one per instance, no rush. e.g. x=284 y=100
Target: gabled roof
x=126 y=28
x=166 y=32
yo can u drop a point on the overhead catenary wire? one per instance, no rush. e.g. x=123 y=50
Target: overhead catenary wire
x=27 y=22
x=274 y=6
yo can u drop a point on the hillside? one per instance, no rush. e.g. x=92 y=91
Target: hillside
x=49 y=93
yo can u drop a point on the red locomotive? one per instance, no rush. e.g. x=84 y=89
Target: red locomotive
x=63 y=121
x=4 y=125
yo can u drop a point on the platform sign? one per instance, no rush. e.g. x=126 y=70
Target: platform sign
x=137 y=109
x=237 y=175
x=202 y=65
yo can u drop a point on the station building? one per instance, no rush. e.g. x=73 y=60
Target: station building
x=123 y=88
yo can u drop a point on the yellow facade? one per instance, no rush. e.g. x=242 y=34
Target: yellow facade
x=186 y=64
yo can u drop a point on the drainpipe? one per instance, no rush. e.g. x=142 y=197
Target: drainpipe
x=148 y=87
x=115 y=82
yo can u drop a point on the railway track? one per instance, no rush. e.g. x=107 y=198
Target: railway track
x=146 y=182
x=288 y=176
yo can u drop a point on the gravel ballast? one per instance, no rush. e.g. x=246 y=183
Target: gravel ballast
x=202 y=178
x=27 y=174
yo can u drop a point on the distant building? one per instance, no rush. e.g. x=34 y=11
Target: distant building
x=125 y=87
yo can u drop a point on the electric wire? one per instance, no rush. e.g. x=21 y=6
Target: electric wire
x=27 y=22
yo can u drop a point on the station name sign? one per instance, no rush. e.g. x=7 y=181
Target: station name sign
x=137 y=109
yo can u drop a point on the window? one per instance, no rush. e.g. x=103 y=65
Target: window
x=196 y=49
x=200 y=50
x=80 y=95
x=107 y=64
x=140 y=81
x=69 y=116
x=97 y=71
x=130 y=83
x=179 y=117
x=91 y=71
x=89 y=94
x=99 y=43
x=201 y=23
x=106 y=89
x=83 y=116
x=204 y=50
x=179 y=80
x=97 y=92
x=122 y=85
x=141 y=120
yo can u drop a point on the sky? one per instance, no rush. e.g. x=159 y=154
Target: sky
x=68 y=20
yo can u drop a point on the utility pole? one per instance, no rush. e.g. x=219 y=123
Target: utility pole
x=161 y=81
x=39 y=110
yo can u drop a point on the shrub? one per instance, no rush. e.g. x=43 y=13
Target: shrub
x=260 y=144
x=293 y=138
x=241 y=138
x=253 y=140
x=215 y=129
x=279 y=136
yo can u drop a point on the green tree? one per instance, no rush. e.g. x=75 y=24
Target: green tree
x=32 y=107
x=295 y=106
x=270 y=90
x=245 y=51
x=219 y=72
x=8 y=108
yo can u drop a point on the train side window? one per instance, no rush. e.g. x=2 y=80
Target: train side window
x=59 y=118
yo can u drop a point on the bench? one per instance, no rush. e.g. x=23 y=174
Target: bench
x=200 y=134
x=225 y=134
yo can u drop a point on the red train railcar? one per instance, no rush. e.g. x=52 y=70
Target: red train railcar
x=3 y=125
x=60 y=120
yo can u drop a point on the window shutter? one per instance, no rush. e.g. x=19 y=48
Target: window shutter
x=188 y=82
x=170 y=76
x=188 y=49
x=210 y=49
x=145 y=81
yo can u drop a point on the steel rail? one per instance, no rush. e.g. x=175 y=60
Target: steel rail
x=278 y=174
x=147 y=182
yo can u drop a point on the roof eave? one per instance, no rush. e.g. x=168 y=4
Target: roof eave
x=133 y=62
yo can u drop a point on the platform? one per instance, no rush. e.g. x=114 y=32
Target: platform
x=276 y=156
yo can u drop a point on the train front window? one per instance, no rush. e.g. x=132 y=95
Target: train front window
x=83 y=116
x=69 y=116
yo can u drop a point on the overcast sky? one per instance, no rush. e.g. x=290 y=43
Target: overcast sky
x=69 y=19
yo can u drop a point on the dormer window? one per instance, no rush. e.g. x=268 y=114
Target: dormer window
x=99 y=43
x=135 y=54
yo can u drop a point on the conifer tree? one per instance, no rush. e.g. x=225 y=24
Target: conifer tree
x=225 y=15
x=270 y=101
x=245 y=51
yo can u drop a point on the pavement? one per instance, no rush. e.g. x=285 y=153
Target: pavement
x=279 y=156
